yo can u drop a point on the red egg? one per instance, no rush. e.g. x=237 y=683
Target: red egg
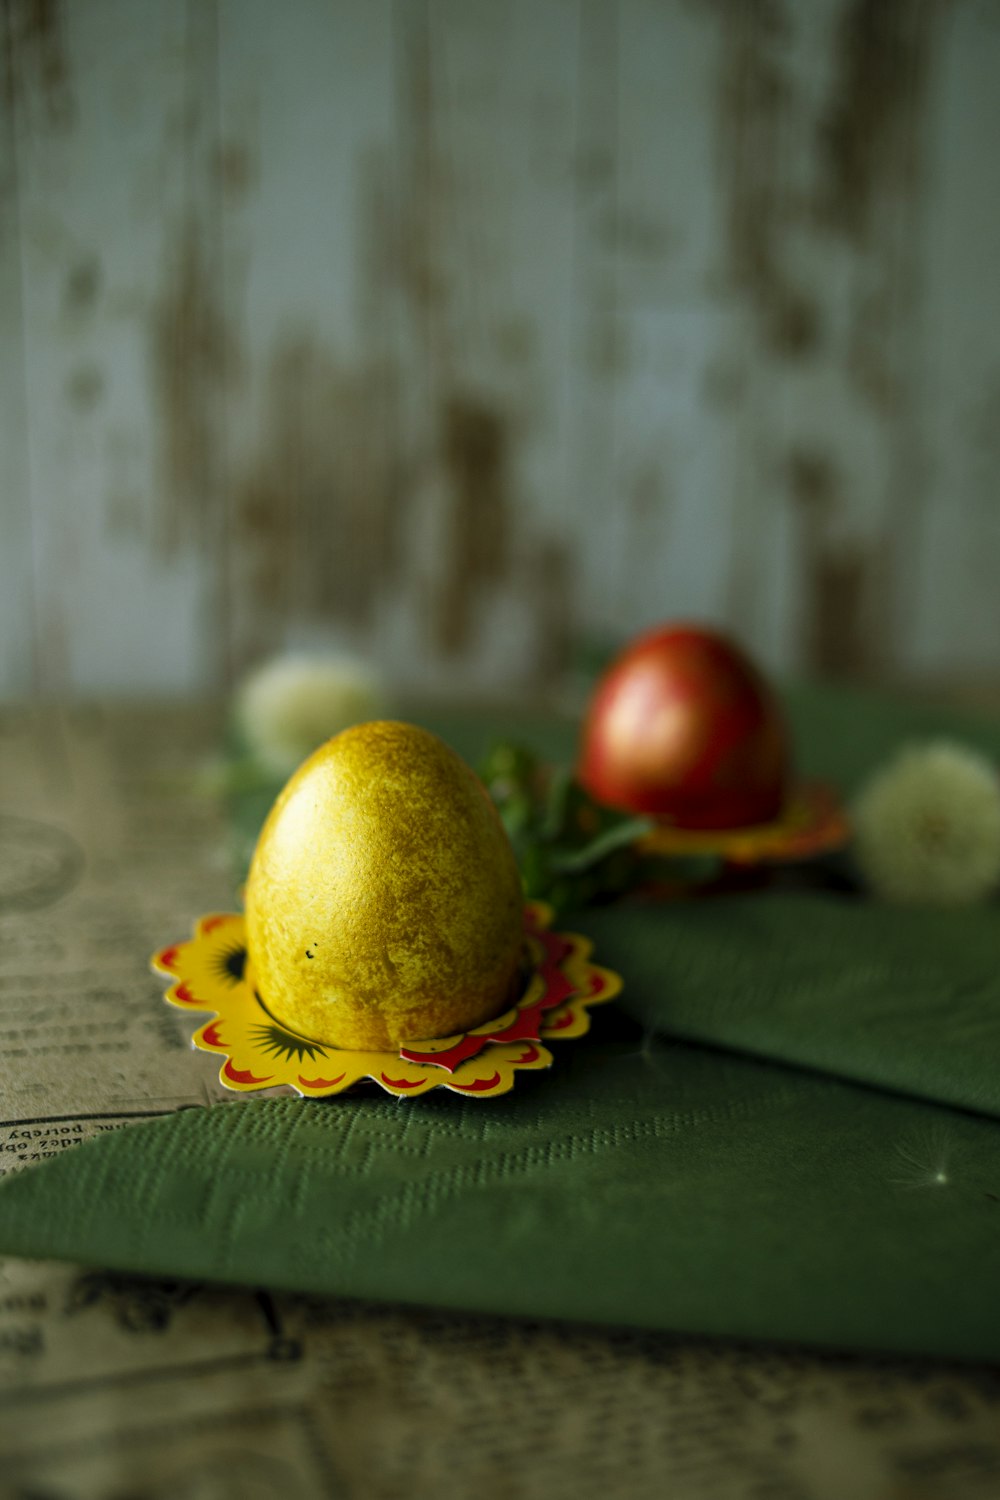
x=684 y=727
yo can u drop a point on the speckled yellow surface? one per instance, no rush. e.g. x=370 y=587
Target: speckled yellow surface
x=384 y=902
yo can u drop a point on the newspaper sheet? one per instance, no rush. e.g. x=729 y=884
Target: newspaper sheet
x=107 y=849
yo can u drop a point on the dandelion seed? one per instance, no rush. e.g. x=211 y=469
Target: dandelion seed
x=926 y=1159
x=648 y=1053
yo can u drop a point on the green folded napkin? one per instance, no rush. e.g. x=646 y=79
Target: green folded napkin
x=904 y=1000
x=668 y=1186
x=644 y=1180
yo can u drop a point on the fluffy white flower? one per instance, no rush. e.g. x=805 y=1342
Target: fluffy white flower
x=927 y=827
x=291 y=704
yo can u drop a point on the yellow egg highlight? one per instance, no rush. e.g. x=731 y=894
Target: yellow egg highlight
x=384 y=903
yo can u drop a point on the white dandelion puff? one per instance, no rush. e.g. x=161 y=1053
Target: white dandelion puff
x=291 y=704
x=927 y=827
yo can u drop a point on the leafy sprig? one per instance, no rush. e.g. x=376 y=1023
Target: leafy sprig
x=571 y=850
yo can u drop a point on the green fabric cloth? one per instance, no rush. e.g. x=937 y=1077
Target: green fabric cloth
x=644 y=1180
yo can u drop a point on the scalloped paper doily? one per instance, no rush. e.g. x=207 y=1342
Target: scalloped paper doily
x=812 y=822
x=210 y=973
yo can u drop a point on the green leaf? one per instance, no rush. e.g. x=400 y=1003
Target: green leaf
x=618 y=836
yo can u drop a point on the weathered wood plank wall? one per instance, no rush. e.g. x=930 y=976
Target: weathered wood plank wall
x=457 y=331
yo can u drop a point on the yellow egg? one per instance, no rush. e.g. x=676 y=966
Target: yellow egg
x=384 y=903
